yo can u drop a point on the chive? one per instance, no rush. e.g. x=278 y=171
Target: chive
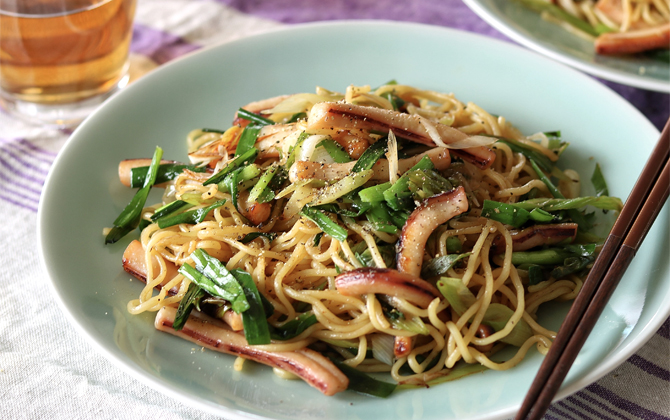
x=253 y=235
x=541 y=216
x=335 y=151
x=518 y=147
x=262 y=183
x=504 y=213
x=170 y=209
x=293 y=328
x=325 y=223
x=256 y=328
x=399 y=196
x=239 y=161
x=225 y=282
x=247 y=139
x=554 y=138
x=375 y=193
x=363 y=383
x=552 y=256
x=191 y=300
x=317 y=238
x=381 y=219
x=556 y=204
x=371 y=155
x=386 y=251
x=545 y=179
x=192 y=217
x=296 y=117
x=166 y=172
x=205 y=282
x=212 y=130
x=230 y=183
x=395 y=100
x=598 y=181
x=578 y=217
x=536 y=274
x=348 y=209
x=294 y=151
x=255 y=118
x=454 y=245
x=130 y=217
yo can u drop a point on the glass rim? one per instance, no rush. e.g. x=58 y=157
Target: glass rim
x=23 y=15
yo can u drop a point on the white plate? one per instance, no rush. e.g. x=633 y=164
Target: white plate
x=527 y=28
x=82 y=195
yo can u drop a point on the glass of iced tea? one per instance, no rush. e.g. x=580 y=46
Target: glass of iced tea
x=60 y=59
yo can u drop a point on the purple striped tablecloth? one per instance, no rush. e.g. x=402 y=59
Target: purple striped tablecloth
x=48 y=371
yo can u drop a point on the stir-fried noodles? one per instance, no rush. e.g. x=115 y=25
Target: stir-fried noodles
x=616 y=26
x=390 y=230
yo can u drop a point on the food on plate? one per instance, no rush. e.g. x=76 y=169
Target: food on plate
x=333 y=235
x=615 y=26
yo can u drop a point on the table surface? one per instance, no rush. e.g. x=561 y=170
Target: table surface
x=48 y=371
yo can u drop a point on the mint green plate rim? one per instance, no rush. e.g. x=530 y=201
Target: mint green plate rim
x=82 y=195
x=528 y=29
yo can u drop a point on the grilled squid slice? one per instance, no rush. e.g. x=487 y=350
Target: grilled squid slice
x=303 y=170
x=634 y=41
x=538 y=235
x=127 y=165
x=328 y=115
x=389 y=282
x=433 y=212
x=314 y=368
x=134 y=262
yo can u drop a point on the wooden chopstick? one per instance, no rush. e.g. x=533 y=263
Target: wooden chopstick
x=642 y=206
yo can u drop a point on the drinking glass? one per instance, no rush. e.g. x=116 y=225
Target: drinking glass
x=60 y=59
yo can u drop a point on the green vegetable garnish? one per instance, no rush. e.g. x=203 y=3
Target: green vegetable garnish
x=222 y=283
x=239 y=161
x=325 y=223
x=166 y=172
x=335 y=151
x=130 y=217
x=365 y=384
x=191 y=300
x=256 y=329
x=192 y=217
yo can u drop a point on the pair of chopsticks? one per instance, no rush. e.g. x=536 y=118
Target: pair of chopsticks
x=639 y=212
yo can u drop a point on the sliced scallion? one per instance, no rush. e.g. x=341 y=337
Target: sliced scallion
x=335 y=151
x=239 y=161
x=130 y=217
x=166 y=172
x=191 y=300
x=371 y=155
x=255 y=118
x=192 y=217
x=256 y=329
x=325 y=223
x=247 y=139
x=227 y=286
x=294 y=327
x=365 y=384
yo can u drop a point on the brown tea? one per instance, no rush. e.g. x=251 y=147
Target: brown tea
x=50 y=55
